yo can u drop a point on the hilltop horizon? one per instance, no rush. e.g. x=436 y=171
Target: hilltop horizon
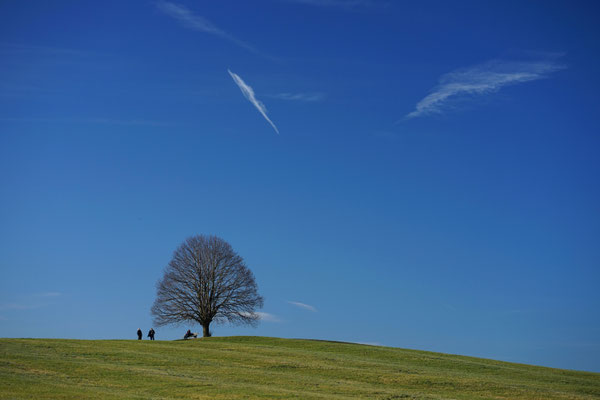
x=416 y=174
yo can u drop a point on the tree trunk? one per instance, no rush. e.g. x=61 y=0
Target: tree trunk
x=205 y=331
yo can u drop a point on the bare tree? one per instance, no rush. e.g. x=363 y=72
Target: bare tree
x=206 y=281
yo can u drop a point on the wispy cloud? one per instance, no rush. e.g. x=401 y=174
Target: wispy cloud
x=14 y=49
x=303 y=305
x=336 y=3
x=263 y=316
x=448 y=307
x=99 y=121
x=483 y=79
x=385 y=135
x=19 y=306
x=198 y=23
x=48 y=294
x=306 y=97
x=40 y=299
x=248 y=93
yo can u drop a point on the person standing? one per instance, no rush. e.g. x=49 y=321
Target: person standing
x=151 y=333
x=139 y=332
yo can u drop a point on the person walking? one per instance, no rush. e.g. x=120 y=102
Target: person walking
x=139 y=332
x=151 y=333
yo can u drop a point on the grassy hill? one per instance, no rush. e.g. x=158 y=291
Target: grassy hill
x=267 y=368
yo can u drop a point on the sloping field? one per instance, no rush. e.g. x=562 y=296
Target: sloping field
x=267 y=368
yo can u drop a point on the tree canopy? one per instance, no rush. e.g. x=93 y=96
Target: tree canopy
x=206 y=281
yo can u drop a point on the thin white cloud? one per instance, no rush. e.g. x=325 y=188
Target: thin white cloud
x=99 y=121
x=248 y=93
x=306 y=97
x=13 y=50
x=263 y=316
x=482 y=79
x=303 y=305
x=335 y=3
x=198 y=23
x=48 y=294
x=37 y=302
x=19 y=306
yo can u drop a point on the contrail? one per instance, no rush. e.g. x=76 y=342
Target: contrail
x=303 y=305
x=249 y=94
x=198 y=23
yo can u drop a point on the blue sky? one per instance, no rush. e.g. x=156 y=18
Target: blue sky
x=415 y=175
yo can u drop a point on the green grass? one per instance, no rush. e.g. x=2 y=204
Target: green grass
x=267 y=368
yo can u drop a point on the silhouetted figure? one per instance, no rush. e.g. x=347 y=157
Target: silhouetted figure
x=189 y=334
x=151 y=333
x=139 y=332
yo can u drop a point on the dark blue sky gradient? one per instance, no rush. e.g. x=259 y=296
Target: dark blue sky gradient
x=473 y=231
